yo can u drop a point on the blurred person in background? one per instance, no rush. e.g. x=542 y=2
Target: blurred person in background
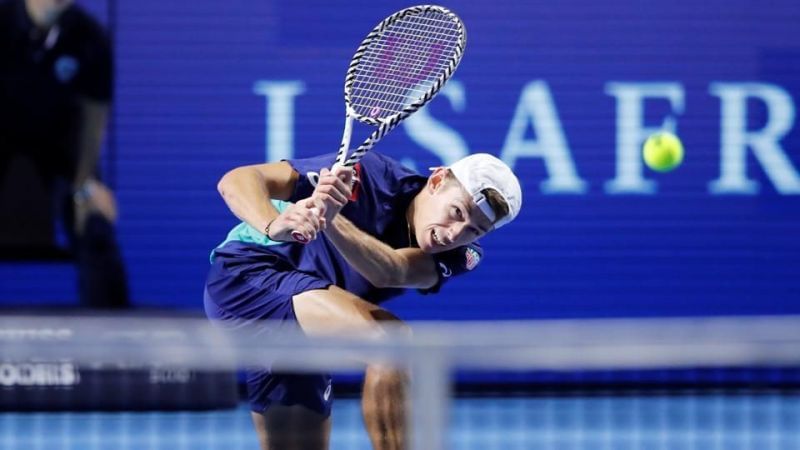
x=56 y=81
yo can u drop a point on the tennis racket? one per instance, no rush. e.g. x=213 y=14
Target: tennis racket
x=398 y=68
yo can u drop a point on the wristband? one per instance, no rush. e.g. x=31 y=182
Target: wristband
x=266 y=229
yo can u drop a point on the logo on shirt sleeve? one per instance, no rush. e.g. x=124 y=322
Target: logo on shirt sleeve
x=445 y=271
x=472 y=258
x=327 y=394
x=313 y=178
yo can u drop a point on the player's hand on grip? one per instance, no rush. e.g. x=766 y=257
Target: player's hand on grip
x=297 y=222
x=333 y=191
x=330 y=195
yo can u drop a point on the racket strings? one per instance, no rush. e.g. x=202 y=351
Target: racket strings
x=384 y=91
x=414 y=55
x=403 y=64
x=429 y=29
x=416 y=64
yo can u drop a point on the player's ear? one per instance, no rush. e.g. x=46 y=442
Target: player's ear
x=437 y=179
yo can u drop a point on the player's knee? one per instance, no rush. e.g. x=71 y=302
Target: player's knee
x=385 y=378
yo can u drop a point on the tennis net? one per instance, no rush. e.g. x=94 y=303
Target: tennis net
x=102 y=382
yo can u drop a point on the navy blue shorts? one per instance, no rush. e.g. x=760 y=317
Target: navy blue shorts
x=245 y=285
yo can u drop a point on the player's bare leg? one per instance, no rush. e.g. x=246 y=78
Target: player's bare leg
x=383 y=405
x=334 y=310
x=292 y=428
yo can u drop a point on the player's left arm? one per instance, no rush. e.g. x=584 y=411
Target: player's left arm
x=380 y=264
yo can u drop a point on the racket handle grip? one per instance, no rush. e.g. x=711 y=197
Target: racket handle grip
x=298 y=236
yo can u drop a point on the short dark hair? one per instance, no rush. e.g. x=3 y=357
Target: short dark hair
x=497 y=202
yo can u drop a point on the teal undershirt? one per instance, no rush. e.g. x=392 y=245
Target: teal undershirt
x=245 y=233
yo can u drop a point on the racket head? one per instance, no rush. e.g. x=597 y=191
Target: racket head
x=402 y=63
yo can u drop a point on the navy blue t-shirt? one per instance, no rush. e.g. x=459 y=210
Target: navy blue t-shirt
x=381 y=195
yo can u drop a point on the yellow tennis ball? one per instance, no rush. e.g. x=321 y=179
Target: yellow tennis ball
x=663 y=151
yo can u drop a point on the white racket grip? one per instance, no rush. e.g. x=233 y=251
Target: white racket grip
x=344 y=146
x=298 y=236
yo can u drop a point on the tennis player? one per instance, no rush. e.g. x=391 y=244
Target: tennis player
x=386 y=229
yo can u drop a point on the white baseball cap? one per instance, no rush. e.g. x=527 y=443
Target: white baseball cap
x=481 y=171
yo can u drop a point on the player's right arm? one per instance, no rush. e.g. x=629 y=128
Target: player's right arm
x=380 y=264
x=247 y=190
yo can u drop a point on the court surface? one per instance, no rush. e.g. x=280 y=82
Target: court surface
x=709 y=420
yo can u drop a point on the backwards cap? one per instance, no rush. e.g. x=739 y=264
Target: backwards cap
x=481 y=171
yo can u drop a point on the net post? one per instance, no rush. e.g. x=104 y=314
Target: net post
x=430 y=399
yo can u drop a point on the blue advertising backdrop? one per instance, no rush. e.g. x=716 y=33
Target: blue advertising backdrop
x=565 y=92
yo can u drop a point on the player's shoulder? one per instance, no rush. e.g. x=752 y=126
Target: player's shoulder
x=383 y=165
x=388 y=175
x=468 y=256
x=376 y=157
x=454 y=262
